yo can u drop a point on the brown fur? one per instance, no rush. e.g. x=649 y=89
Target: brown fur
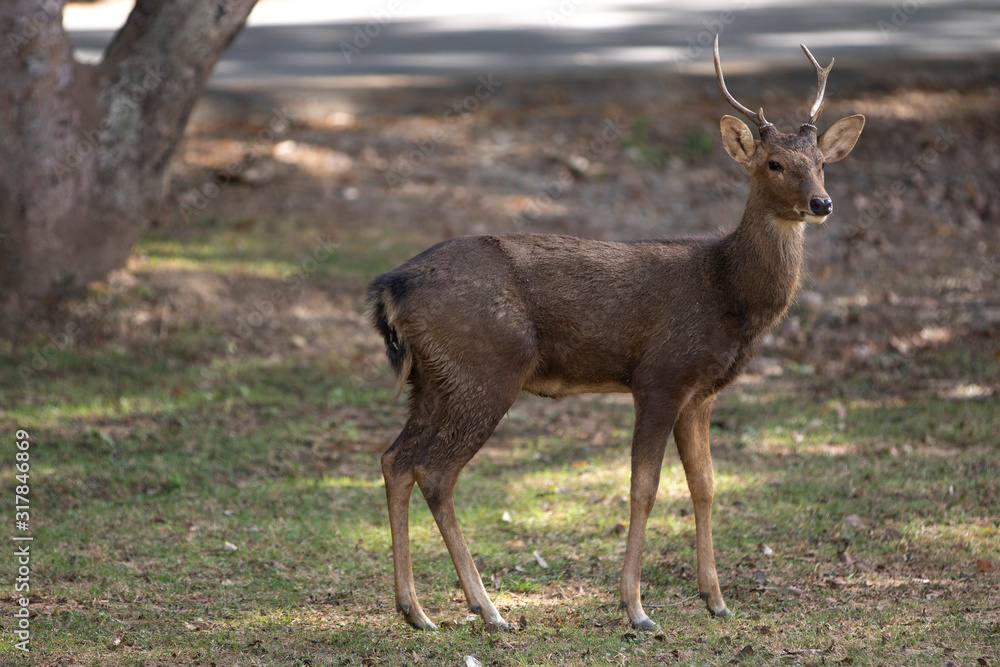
x=473 y=321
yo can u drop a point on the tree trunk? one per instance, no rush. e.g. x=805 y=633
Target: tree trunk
x=84 y=148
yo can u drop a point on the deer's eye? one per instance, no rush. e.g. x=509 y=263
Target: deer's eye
x=774 y=166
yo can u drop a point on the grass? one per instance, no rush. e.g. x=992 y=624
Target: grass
x=194 y=506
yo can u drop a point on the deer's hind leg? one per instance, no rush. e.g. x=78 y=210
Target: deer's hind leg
x=397 y=468
x=465 y=425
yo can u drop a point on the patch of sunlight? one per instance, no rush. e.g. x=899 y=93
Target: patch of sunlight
x=343 y=482
x=960 y=541
x=309 y=616
x=552 y=496
x=208 y=260
x=871 y=404
x=99 y=407
x=786 y=444
x=965 y=392
x=579 y=477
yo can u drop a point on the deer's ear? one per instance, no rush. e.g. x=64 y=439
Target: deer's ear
x=839 y=138
x=737 y=140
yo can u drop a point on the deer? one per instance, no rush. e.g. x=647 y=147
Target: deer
x=473 y=321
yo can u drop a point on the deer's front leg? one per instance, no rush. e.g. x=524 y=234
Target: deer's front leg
x=691 y=435
x=653 y=421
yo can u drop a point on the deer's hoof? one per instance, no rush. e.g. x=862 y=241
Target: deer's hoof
x=722 y=613
x=422 y=623
x=646 y=624
x=497 y=626
x=416 y=617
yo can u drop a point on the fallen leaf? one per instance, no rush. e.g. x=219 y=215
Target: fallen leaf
x=744 y=653
x=516 y=544
x=984 y=565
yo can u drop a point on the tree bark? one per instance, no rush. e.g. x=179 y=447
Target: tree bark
x=84 y=148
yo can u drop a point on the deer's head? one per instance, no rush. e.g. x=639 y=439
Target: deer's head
x=787 y=169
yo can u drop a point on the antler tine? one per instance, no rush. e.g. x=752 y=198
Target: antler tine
x=758 y=117
x=821 y=74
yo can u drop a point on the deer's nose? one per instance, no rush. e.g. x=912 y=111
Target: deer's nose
x=821 y=206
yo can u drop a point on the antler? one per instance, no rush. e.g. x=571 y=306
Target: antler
x=821 y=74
x=758 y=117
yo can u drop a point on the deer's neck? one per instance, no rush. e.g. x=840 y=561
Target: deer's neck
x=762 y=258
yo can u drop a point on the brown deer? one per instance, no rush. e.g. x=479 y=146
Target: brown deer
x=473 y=321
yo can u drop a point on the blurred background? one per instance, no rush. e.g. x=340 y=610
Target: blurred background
x=389 y=125
x=298 y=42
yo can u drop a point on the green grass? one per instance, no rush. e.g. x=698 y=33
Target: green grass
x=150 y=461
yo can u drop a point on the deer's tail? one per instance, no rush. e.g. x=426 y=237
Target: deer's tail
x=383 y=306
